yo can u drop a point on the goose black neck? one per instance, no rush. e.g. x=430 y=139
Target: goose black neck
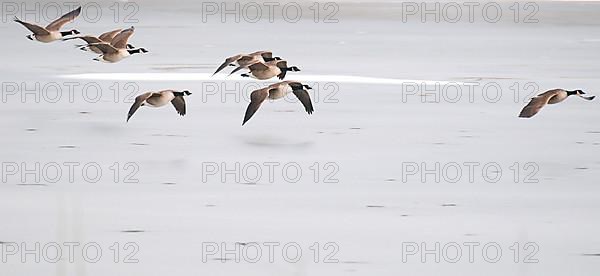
x=134 y=51
x=292 y=69
x=182 y=93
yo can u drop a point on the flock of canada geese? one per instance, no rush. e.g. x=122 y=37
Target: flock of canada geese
x=113 y=46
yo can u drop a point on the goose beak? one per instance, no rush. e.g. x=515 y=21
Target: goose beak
x=29 y=37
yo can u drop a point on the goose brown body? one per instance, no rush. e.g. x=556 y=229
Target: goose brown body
x=278 y=91
x=244 y=60
x=158 y=99
x=553 y=96
x=117 y=49
x=51 y=32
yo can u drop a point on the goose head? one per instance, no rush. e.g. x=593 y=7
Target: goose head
x=580 y=93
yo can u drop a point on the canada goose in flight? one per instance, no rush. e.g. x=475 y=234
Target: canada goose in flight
x=549 y=97
x=158 y=99
x=243 y=60
x=277 y=91
x=117 y=49
x=106 y=37
x=266 y=70
x=52 y=31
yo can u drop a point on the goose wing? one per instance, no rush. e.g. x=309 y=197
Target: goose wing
x=295 y=85
x=282 y=74
x=227 y=61
x=37 y=30
x=87 y=38
x=109 y=36
x=68 y=17
x=256 y=99
x=267 y=54
x=138 y=102
x=237 y=69
x=120 y=40
x=104 y=47
x=304 y=98
x=537 y=103
x=282 y=64
x=246 y=60
x=179 y=104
